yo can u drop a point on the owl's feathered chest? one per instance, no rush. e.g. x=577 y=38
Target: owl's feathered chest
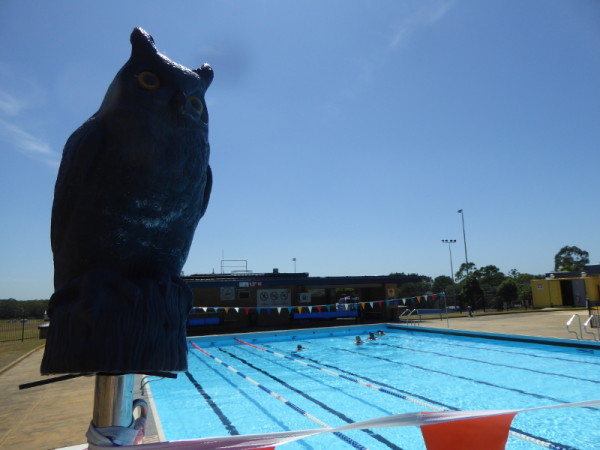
x=131 y=189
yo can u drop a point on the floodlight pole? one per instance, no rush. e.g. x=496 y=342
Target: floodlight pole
x=460 y=211
x=450 y=241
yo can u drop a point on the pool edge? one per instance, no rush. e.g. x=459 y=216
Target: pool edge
x=503 y=337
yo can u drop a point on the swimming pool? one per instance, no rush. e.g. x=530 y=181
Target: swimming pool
x=415 y=371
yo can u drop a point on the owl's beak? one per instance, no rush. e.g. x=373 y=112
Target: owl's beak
x=177 y=102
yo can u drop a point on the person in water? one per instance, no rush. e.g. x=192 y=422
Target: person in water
x=380 y=333
x=371 y=337
x=358 y=341
x=299 y=348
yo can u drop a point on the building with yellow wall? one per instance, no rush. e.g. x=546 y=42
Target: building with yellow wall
x=560 y=289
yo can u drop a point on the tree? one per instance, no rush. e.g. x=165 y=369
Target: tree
x=414 y=289
x=489 y=276
x=15 y=309
x=464 y=270
x=571 y=258
x=507 y=293
x=470 y=290
x=441 y=283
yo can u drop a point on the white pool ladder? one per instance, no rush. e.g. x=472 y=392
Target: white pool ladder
x=585 y=327
x=406 y=315
x=570 y=322
x=582 y=329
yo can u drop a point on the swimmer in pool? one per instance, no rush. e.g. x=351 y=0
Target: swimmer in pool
x=380 y=333
x=371 y=337
x=299 y=348
x=358 y=341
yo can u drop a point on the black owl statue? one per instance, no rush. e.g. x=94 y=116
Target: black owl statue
x=133 y=183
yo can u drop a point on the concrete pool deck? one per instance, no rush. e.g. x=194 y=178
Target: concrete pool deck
x=57 y=415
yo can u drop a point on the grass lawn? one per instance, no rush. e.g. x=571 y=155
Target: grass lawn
x=10 y=351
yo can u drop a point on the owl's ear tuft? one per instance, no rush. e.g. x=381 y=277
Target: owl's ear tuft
x=141 y=41
x=206 y=73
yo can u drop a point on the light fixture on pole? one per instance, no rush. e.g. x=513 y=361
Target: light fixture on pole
x=450 y=241
x=460 y=211
x=294 y=259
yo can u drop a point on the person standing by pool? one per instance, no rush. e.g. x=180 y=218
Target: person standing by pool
x=470 y=310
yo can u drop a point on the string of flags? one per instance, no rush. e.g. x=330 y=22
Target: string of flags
x=322 y=308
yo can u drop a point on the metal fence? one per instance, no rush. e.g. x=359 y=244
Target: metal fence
x=19 y=329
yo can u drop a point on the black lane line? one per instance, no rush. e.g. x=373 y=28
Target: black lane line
x=224 y=420
x=342 y=416
x=552 y=445
x=234 y=386
x=464 y=358
x=388 y=386
x=263 y=356
x=486 y=383
x=572 y=361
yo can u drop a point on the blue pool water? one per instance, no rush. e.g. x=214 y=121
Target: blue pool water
x=419 y=372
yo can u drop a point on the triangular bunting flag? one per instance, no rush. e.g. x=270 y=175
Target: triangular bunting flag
x=204 y=308
x=247 y=311
x=269 y=311
x=404 y=301
x=278 y=310
x=237 y=309
x=380 y=304
x=371 y=303
x=319 y=308
x=258 y=310
x=226 y=310
x=309 y=308
x=299 y=309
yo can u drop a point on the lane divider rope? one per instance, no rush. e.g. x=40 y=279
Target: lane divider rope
x=516 y=434
x=281 y=399
x=345 y=377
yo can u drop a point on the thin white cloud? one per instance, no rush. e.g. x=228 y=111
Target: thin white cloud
x=9 y=105
x=16 y=135
x=423 y=17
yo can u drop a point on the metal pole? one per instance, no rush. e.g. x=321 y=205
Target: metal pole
x=460 y=211
x=450 y=241
x=113 y=401
x=446 y=307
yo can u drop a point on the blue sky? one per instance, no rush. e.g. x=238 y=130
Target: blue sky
x=345 y=134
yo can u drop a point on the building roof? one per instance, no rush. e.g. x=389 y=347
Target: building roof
x=292 y=279
x=590 y=269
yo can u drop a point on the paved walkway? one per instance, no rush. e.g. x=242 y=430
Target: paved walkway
x=57 y=415
x=544 y=324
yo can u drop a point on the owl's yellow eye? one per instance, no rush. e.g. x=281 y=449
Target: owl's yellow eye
x=148 y=80
x=196 y=104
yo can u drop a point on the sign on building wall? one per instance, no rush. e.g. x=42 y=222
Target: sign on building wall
x=304 y=297
x=227 y=293
x=266 y=298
